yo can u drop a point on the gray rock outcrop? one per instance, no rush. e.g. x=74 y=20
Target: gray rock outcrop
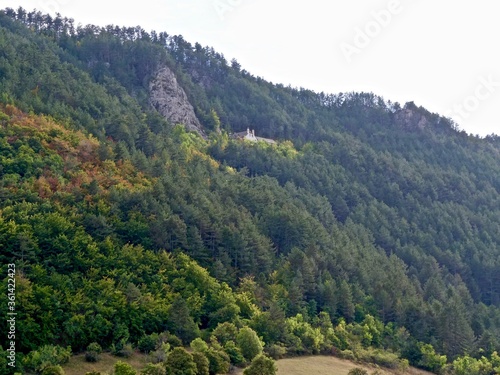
x=411 y=119
x=171 y=101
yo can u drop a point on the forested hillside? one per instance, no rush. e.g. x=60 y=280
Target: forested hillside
x=370 y=230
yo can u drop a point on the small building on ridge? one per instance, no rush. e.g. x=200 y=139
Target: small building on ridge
x=249 y=135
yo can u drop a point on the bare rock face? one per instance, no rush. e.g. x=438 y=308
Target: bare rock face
x=170 y=100
x=411 y=119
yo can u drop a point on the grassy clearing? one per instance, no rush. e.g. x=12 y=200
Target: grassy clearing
x=78 y=366
x=325 y=365
x=317 y=365
x=320 y=365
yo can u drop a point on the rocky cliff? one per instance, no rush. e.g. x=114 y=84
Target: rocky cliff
x=411 y=118
x=170 y=100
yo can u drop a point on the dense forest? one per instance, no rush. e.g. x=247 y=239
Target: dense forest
x=370 y=230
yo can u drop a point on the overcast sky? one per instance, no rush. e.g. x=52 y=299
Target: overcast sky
x=443 y=55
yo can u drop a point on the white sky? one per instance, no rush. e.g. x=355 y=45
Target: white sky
x=443 y=55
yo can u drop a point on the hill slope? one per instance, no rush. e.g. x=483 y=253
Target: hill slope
x=383 y=220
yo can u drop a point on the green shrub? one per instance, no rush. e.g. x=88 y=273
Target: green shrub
x=198 y=345
x=148 y=343
x=202 y=364
x=122 y=350
x=357 y=371
x=249 y=343
x=180 y=362
x=94 y=347
x=294 y=345
x=53 y=370
x=347 y=354
x=91 y=356
x=275 y=351
x=45 y=356
x=466 y=365
x=261 y=365
x=160 y=354
x=382 y=358
x=234 y=353
x=385 y=359
x=218 y=360
x=122 y=368
x=174 y=341
x=154 y=369
x=93 y=351
x=430 y=360
x=225 y=332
